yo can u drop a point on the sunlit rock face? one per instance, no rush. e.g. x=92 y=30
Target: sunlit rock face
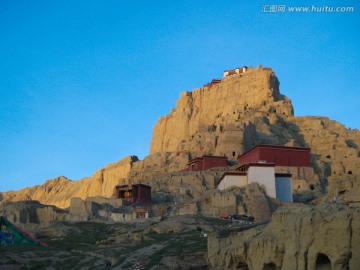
x=225 y=118
x=298 y=237
x=215 y=120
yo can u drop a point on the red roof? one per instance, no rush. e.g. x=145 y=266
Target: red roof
x=275 y=146
x=215 y=81
x=141 y=184
x=205 y=156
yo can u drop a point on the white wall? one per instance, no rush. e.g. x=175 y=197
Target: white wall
x=263 y=176
x=283 y=189
x=233 y=181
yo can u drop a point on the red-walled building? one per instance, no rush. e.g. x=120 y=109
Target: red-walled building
x=212 y=83
x=136 y=193
x=279 y=155
x=206 y=162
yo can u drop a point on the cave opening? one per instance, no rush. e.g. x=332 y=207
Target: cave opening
x=270 y=266
x=242 y=266
x=322 y=262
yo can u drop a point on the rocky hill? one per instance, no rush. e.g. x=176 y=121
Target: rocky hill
x=226 y=118
x=60 y=190
x=325 y=236
x=215 y=120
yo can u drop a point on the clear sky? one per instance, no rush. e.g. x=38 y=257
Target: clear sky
x=83 y=82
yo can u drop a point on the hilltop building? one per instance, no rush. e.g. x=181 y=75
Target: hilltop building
x=212 y=83
x=235 y=71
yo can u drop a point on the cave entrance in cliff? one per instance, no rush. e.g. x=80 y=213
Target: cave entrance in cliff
x=270 y=266
x=322 y=262
x=242 y=266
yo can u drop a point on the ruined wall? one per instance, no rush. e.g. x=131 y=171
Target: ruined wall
x=31 y=212
x=250 y=200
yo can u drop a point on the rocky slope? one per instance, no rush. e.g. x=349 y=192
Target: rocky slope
x=60 y=190
x=175 y=195
x=322 y=237
x=226 y=119
x=246 y=109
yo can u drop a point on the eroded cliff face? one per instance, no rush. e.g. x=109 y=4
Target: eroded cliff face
x=228 y=118
x=335 y=150
x=298 y=237
x=60 y=190
x=246 y=109
x=335 y=156
x=213 y=120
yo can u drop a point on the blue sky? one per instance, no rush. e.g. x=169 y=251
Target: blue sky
x=82 y=84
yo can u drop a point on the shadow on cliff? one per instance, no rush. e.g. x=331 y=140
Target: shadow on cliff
x=286 y=133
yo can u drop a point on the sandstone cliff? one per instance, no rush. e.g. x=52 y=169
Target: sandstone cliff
x=226 y=119
x=60 y=190
x=298 y=237
x=212 y=120
x=246 y=109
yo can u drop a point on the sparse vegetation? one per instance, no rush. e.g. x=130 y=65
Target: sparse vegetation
x=80 y=248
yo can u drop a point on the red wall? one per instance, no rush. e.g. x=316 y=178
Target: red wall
x=197 y=166
x=142 y=193
x=209 y=162
x=291 y=157
x=253 y=156
x=281 y=156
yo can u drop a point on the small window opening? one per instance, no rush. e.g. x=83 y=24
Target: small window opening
x=312 y=186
